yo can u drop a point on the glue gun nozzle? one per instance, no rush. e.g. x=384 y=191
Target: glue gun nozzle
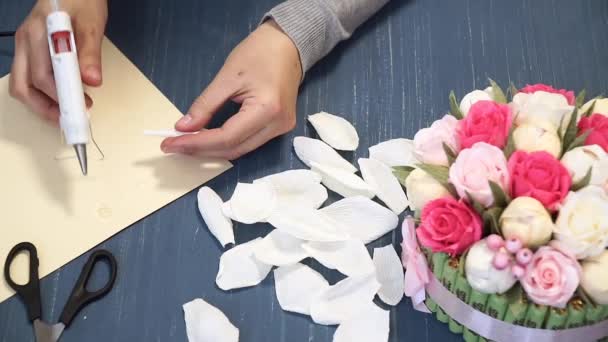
x=81 y=153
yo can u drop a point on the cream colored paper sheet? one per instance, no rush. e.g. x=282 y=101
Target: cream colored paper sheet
x=48 y=202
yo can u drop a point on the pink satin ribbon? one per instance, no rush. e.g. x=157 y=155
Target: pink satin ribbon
x=417 y=273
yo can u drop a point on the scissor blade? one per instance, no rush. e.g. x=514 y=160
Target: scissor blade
x=47 y=333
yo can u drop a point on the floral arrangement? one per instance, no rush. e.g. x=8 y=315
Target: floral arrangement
x=511 y=201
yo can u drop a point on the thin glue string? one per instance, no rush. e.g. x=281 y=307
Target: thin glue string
x=103 y=156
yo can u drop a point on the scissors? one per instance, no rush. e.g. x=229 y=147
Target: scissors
x=79 y=298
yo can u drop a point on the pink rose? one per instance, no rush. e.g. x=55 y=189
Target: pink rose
x=475 y=167
x=539 y=175
x=531 y=89
x=487 y=121
x=449 y=226
x=428 y=142
x=598 y=124
x=551 y=277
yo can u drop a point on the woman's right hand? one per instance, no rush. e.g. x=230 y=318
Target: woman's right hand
x=31 y=79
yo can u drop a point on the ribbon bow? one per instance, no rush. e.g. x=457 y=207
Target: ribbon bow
x=416 y=268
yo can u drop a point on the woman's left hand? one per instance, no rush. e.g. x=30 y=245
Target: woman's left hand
x=263 y=74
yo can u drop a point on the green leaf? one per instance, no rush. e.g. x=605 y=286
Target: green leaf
x=510 y=146
x=513 y=90
x=402 y=172
x=579 y=141
x=478 y=207
x=454 y=107
x=497 y=93
x=583 y=182
x=501 y=199
x=449 y=153
x=452 y=190
x=440 y=174
x=580 y=98
x=590 y=110
x=571 y=130
x=491 y=219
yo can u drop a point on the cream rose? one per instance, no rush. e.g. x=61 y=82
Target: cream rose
x=579 y=160
x=422 y=188
x=582 y=224
x=481 y=273
x=527 y=219
x=540 y=106
x=600 y=107
x=595 y=278
x=469 y=99
x=537 y=136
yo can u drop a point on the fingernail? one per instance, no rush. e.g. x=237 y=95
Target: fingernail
x=185 y=119
x=93 y=72
x=172 y=149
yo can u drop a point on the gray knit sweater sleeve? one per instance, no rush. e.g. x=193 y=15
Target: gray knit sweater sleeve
x=316 y=26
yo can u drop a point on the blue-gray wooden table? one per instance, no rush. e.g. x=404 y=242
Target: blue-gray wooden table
x=391 y=79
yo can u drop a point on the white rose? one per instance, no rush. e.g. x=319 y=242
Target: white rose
x=600 y=107
x=580 y=159
x=595 y=278
x=481 y=273
x=582 y=223
x=539 y=136
x=527 y=219
x=422 y=188
x=540 y=106
x=469 y=99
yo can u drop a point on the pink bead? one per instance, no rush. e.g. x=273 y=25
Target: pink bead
x=518 y=271
x=495 y=242
x=501 y=260
x=513 y=245
x=523 y=256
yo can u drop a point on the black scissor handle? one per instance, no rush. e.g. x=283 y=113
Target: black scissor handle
x=80 y=296
x=30 y=292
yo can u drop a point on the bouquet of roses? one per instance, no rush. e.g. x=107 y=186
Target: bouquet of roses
x=511 y=203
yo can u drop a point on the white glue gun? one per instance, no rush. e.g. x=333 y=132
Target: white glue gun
x=74 y=119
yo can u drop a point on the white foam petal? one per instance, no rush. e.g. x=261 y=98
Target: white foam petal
x=206 y=323
x=335 y=131
x=297 y=188
x=280 y=249
x=395 y=152
x=210 y=206
x=350 y=257
x=240 y=268
x=292 y=180
x=342 y=182
x=372 y=324
x=386 y=186
x=313 y=150
x=306 y=223
x=251 y=203
x=344 y=300
x=297 y=286
x=361 y=217
x=227 y=210
x=389 y=272
x=314 y=197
